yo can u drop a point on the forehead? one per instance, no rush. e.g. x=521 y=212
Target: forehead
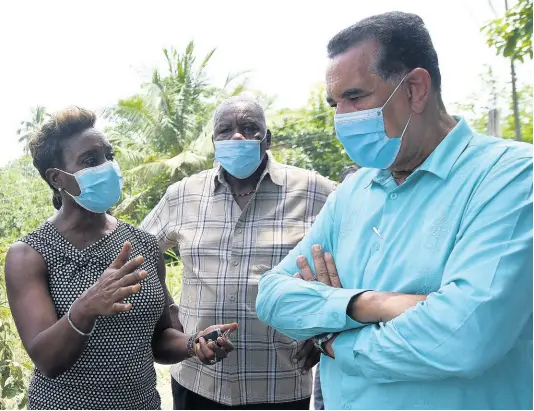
x=88 y=140
x=354 y=68
x=240 y=111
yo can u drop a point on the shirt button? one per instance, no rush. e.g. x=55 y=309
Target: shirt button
x=232 y=298
x=235 y=262
x=239 y=231
x=347 y=406
x=377 y=246
x=393 y=196
x=299 y=321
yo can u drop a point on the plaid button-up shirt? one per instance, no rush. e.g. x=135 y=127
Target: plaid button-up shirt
x=224 y=251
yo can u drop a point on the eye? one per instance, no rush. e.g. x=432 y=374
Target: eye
x=250 y=128
x=90 y=161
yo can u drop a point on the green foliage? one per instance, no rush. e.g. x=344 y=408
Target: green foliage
x=25 y=199
x=163 y=134
x=493 y=94
x=511 y=35
x=306 y=137
x=28 y=127
x=25 y=202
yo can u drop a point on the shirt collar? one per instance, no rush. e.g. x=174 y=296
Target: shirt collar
x=273 y=170
x=441 y=161
x=447 y=153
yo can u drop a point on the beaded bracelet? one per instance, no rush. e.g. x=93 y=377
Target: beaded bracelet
x=191 y=345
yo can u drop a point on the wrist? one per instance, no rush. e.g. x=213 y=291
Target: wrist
x=191 y=346
x=81 y=316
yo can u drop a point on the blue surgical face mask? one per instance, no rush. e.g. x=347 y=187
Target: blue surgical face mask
x=240 y=158
x=100 y=187
x=363 y=134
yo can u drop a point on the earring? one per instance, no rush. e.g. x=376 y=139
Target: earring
x=60 y=189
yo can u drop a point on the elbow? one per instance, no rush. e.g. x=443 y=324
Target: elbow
x=474 y=365
x=261 y=309
x=266 y=300
x=468 y=365
x=50 y=371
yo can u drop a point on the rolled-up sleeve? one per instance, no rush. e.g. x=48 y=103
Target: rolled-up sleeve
x=484 y=302
x=301 y=309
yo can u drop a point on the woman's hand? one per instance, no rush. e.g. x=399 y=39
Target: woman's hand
x=119 y=280
x=212 y=352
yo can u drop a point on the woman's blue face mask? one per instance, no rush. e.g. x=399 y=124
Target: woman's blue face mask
x=100 y=187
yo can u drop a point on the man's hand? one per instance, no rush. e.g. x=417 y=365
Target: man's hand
x=328 y=346
x=309 y=354
x=324 y=265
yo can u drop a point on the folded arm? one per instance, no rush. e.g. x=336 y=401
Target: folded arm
x=484 y=302
x=302 y=309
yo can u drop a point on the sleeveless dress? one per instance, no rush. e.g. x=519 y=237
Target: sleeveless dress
x=116 y=368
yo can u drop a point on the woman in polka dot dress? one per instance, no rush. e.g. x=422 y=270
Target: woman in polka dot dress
x=88 y=291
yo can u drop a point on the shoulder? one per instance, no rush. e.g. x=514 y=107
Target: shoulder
x=139 y=237
x=296 y=177
x=23 y=258
x=494 y=152
x=190 y=184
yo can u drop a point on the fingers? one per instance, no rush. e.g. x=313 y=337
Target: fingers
x=203 y=349
x=227 y=327
x=305 y=270
x=220 y=353
x=332 y=270
x=225 y=344
x=298 y=276
x=124 y=292
x=129 y=267
x=123 y=256
x=121 y=308
x=133 y=278
x=303 y=353
x=320 y=264
x=311 y=360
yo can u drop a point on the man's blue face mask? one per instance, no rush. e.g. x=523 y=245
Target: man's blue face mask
x=240 y=158
x=363 y=135
x=100 y=187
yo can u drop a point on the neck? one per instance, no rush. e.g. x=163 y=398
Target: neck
x=248 y=184
x=71 y=216
x=441 y=125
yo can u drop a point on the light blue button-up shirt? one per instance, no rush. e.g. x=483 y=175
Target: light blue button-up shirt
x=460 y=230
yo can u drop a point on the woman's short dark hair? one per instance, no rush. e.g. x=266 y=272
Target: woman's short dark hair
x=46 y=146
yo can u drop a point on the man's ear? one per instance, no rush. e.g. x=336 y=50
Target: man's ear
x=268 y=139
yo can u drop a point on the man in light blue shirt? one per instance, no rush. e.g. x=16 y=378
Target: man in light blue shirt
x=423 y=296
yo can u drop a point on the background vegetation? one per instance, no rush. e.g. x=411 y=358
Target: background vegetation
x=163 y=134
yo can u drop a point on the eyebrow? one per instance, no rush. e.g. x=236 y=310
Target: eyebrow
x=353 y=92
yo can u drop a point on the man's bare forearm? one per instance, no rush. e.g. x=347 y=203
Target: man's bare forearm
x=377 y=306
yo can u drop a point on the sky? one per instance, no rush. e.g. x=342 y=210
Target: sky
x=58 y=53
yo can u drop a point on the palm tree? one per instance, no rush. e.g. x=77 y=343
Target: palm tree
x=164 y=133
x=29 y=127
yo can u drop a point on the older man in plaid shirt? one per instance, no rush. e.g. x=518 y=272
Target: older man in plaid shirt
x=231 y=224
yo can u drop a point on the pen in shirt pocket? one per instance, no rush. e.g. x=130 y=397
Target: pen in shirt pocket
x=378 y=233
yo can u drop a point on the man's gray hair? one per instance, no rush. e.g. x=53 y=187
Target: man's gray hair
x=248 y=99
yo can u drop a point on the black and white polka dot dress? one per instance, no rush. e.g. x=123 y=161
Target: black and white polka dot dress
x=116 y=369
